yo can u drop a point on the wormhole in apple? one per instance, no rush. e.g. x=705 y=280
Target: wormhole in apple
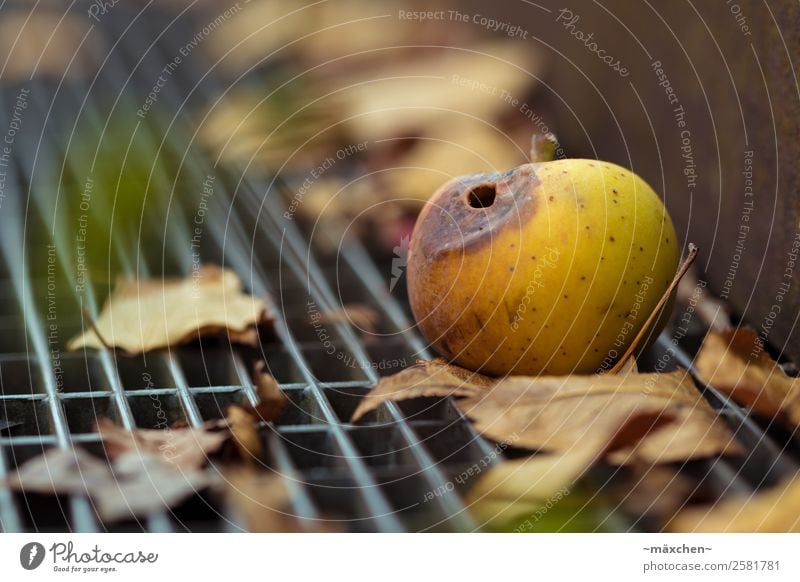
x=482 y=196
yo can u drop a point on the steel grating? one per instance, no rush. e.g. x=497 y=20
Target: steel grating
x=372 y=477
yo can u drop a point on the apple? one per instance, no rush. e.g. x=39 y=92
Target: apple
x=548 y=268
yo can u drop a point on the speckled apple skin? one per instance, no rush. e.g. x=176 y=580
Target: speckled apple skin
x=556 y=276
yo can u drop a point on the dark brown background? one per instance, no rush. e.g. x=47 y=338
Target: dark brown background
x=740 y=92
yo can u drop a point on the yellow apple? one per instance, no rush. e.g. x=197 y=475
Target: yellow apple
x=548 y=268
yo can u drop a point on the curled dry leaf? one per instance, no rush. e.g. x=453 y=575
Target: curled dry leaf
x=656 y=418
x=187 y=448
x=734 y=362
x=260 y=501
x=412 y=94
x=271 y=399
x=433 y=378
x=664 y=417
x=243 y=419
x=143 y=315
x=46 y=42
x=244 y=432
x=135 y=485
x=774 y=510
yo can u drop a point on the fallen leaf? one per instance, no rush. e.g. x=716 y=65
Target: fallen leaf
x=424 y=379
x=260 y=501
x=415 y=93
x=664 y=417
x=46 y=43
x=271 y=399
x=188 y=448
x=773 y=510
x=143 y=315
x=135 y=485
x=734 y=362
x=363 y=317
x=244 y=432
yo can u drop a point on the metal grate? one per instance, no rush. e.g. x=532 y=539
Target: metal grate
x=370 y=477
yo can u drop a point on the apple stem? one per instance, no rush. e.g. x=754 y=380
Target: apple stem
x=687 y=262
x=543 y=147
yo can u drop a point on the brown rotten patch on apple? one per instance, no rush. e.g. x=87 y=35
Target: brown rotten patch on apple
x=473 y=209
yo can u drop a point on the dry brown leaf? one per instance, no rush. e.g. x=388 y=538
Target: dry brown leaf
x=143 y=315
x=244 y=432
x=260 y=501
x=424 y=379
x=187 y=448
x=774 y=510
x=271 y=399
x=664 y=417
x=363 y=317
x=406 y=97
x=653 y=418
x=243 y=419
x=734 y=363
x=46 y=42
x=135 y=485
